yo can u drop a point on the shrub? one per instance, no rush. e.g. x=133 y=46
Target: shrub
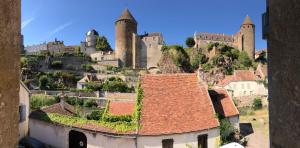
x=116 y=86
x=74 y=101
x=226 y=131
x=257 y=103
x=56 y=65
x=44 y=82
x=89 y=103
x=95 y=115
x=190 y=42
x=39 y=101
x=93 y=86
x=87 y=67
x=70 y=67
x=113 y=118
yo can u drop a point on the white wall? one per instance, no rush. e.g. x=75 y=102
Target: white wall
x=180 y=140
x=247 y=88
x=57 y=136
x=235 y=121
x=24 y=100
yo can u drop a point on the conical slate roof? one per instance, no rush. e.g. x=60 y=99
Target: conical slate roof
x=126 y=15
x=247 y=21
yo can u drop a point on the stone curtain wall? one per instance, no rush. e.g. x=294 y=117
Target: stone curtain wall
x=284 y=73
x=10 y=45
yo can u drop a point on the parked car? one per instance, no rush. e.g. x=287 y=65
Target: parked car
x=232 y=145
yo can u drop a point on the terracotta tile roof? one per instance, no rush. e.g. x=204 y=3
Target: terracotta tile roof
x=223 y=103
x=58 y=109
x=175 y=103
x=239 y=75
x=121 y=108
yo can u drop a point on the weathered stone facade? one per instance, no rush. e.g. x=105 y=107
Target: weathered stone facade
x=133 y=50
x=125 y=27
x=244 y=39
x=10 y=43
x=283 y=34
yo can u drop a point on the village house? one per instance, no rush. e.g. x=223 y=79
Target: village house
x=177 y=111
x=225 y=106
x=243 y=83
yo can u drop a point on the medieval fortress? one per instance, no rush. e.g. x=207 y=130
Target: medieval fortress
x=144 y=51
x=244 y=39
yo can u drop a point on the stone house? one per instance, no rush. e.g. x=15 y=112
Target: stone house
x=24 y=95
x=177 y=111
x=225 y=106
x=81 y=84
x=243 y=83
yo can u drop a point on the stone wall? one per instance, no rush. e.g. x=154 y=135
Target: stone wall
x=284 y=72
x=10 y=43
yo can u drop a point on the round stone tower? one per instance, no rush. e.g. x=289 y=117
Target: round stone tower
x=125 y=27
x=247 y=32
x=91 y=38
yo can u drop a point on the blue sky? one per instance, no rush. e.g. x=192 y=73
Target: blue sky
x=69 y=20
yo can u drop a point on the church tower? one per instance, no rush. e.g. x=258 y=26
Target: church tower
x=125 y=27
x=247 y=37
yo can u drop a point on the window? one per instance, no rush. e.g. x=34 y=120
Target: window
x=22 y=113
x=167 y=143
x=243 y=86
x=248 y=85
x=245 y=92
x=202 y=141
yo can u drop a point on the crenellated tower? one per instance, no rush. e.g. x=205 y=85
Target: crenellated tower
x=125 y=27
x=247 y=37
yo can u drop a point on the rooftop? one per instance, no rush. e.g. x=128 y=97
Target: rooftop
x=121 y=108
x=126 y=15
x=239 y=75
x=175 y=103
x=223 y=103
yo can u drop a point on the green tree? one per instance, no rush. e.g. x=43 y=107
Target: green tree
x=244 y=59
x=190 y=42
x=198 y=59
x=102 y=44
x=44 y=82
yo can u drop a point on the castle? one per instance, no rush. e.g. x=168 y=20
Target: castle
x=131 y=49
x=244 y=39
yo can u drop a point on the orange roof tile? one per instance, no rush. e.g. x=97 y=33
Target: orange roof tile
x=121 y=108
x=175 y=103
x=223 y=103
x=239 y=75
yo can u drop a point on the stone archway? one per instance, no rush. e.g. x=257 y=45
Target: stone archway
x=77 y=139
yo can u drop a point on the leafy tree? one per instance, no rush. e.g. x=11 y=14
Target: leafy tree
x=198 y=59
x=77 y=50
x=244 y=59
x=44 y=82
x=190 y=42
x=102 y=44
